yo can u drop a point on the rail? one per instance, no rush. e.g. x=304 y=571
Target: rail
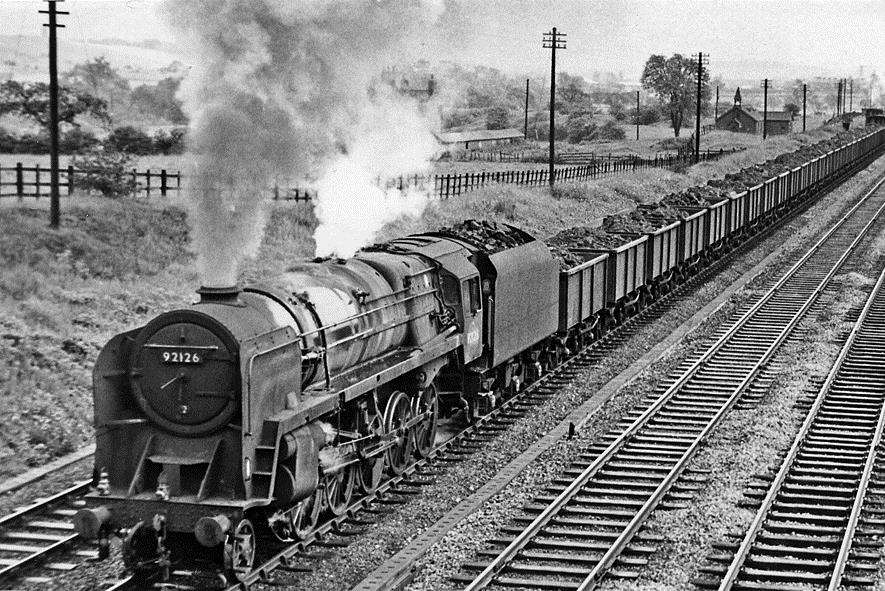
x=759 y=340
x=860 y=404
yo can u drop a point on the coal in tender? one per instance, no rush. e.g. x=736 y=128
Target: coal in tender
x=491 y=237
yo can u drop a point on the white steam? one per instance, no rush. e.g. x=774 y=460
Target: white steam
x=283 y=88
x=391 y=138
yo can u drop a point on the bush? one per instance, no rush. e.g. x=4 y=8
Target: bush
x=76 y=141
x=460 y=117
x=618 y=111
x=610 y=130
x=580 y=127
x=106 y=172
x=648 y=115
x=130 y=140
x=497 y=118
x=169 y=143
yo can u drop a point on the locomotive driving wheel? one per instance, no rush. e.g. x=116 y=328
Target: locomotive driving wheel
x=396 y=415
x=297 y=522
x=239 y=549
x=425 y=431
x=338 y=490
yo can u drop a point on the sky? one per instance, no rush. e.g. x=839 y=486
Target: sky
x=746 y=38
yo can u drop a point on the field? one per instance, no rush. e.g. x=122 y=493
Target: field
x=116 y=264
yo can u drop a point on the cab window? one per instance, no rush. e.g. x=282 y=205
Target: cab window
x=473 y=291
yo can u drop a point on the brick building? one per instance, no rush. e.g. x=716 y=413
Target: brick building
x=745 y=120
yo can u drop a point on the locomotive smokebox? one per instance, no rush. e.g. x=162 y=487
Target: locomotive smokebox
x=229 y=295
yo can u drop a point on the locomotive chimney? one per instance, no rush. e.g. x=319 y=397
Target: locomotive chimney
x=228 y=296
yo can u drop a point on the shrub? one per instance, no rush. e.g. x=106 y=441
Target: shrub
x=648 y=115
x=580 y=127
x=610 y=130
x=169 y=143
x=105 y=172
x=497 y=118
x=130 y=140
x=76 y=140
x=618 y=111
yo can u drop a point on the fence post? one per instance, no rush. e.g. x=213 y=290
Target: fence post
x=37 y=179
x=148 y=182
x=276 y=190
x=19 y=180
x=163 y=182
x=70 y=179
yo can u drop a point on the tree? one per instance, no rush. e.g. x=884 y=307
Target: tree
x=674 y=81
x=31 y=101
x=98 y=78
x=160 y=100
x=580 y=127
x=129 y=140
x=571 y=93
x=497 y=118
x=792 y=108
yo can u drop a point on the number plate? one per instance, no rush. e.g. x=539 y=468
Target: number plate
x=182 y=356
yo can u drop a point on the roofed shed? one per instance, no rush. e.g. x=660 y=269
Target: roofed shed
x=478 y=138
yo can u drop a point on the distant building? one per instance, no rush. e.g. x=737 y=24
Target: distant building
x=476 y=139
x=745 y=120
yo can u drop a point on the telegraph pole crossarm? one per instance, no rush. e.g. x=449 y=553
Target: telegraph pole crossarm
x=55 y=205
x=553 y=41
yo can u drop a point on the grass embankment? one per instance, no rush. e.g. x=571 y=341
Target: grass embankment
x=116 y=264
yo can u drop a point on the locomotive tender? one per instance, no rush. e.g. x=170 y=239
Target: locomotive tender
x=256 y=409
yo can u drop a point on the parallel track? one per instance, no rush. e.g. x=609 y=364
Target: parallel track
x=573 y=538
x=806 y=531
x=33 y=534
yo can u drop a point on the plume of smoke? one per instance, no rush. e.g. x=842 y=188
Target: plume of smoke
x=280 y=88
x=390 y=138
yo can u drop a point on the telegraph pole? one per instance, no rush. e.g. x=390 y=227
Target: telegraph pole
x=839 y=97
x=525 y=128
x=637 y=115
x=697 y=124
x=851 y=95
x=804 y=102
x=716 y=109
x=765 y=109
x=552 y=41
x=55 y=205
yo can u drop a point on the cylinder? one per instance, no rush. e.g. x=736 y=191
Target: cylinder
x=210 y=531
x=90 y=521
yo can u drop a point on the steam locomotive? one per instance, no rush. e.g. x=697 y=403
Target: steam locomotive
x=258 y=409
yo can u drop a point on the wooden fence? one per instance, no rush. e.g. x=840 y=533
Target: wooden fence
x=33 y=181
x=455 y=184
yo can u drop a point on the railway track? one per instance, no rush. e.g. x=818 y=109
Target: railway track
x=814 y=527
x=38 y=534
x=587 y=526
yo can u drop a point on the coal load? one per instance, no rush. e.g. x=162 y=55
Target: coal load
x=563 y=244
x=642 y=220
x=489 y=236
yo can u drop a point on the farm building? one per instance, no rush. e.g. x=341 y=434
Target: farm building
x=746 y=120
x=478 y=138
